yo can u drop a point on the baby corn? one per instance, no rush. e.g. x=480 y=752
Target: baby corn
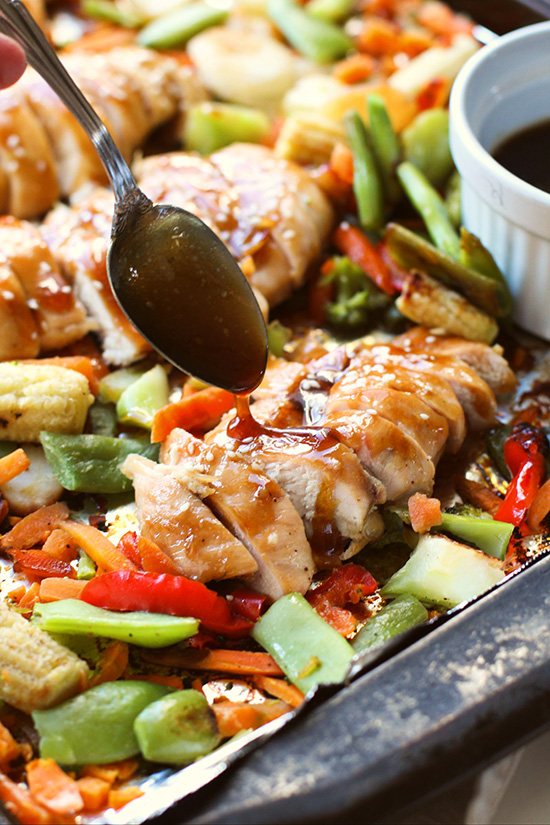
x=41 y=397
x=307 y=137
x=35 y=671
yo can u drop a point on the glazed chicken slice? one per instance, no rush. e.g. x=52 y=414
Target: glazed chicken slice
x=19 y=338
x=79 y=238
x=487 y=361
x=60 y=318
x=255 y=509
x=324 y=480
x=175 y=518
x=474 y=394
x=268 y=211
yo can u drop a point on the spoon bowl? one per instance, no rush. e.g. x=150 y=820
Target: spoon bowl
x=175 y=280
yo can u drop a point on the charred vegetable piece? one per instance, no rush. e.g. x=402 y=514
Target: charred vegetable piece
x=177 y=27
x=96 y=727
x=400 y=615
x=367 y=181
x=525 y=450
x=426 y=145
x=493 y=537
x=90 y=463
x=495 y=447
x=177 y=729
x=413 y=252
x=317 y=39
x=475 y=256
x=307 y=649
x=431 y=208
x=137 y=627
x=444 y=573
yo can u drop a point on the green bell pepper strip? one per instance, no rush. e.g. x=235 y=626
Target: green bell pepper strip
x=431 y=208
x=139 y=628
x=179 y=26
x=164 y=593
x=414 y=252
x=321 y=41
x=396 y=617
x=177 y=729
x=97 y=726
x=90 y=463
x=367 y=182
x=385 y=144
x=307 y=649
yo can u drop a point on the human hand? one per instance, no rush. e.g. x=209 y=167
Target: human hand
x=12 y=61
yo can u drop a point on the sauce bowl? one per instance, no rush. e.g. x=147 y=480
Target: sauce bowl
x=502 y=90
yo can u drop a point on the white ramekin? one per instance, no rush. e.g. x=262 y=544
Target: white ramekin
x=504 y=88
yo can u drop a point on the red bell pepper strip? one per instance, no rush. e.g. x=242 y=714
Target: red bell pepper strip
x=359 y=249
x=524 y=452
x=41 y=564
x=165 y=593
x=248 y=603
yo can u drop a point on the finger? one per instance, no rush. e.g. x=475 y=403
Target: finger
x=12 y=61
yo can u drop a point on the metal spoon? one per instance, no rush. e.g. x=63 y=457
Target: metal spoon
x=172 y=276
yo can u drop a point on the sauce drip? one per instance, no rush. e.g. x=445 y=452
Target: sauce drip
x=187 y=296
x=309 y=442
x=525 y=154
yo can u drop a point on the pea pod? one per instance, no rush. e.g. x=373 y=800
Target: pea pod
x=431 y=208
x=138 y=627
x=177 y=729
x=177 y=27
x=90 y=463
x=367 y=182
x=112 y=12
x=210 y=126
x=321 y=41
x=306 y=648
x=413 y=252
x=401 y=614
x=97 y=726
x=332 y=11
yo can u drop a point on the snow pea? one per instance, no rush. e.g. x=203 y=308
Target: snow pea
x=385 y=144
x=210 y=126
x=431 y=208
x=367 y=181
x=179 y=26
x=426 y=145
x=178 y=729
x=137 y=627
x=97 y=726
x=308 y=650
x=321 y=41
x=399 y=615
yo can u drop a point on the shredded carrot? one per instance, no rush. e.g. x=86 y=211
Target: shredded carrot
x=175 y=682
x=113 y=771
x=378 y=37
x=415 y=41
x=425 y=512
x=17 y=594
x=20 y=803
x=53 y=590
x=99 y=548
x=243 y=662
x=111 y=664
x=94 y=792
x=355 y=244
x=119 y=797
x=341 y=162
x=198 y=412
x=40 y=563
x=9 y=749
x=31 y=596
x=153 y=559
x=61 y=546
x=234 y=717
x=13 y=464
x=36 y=527
x=354 y=69
x=52 y=787
x=539 y=508
x=280 y=689
x=77 y=363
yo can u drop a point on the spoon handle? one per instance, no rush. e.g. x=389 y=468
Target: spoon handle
x=18 y=23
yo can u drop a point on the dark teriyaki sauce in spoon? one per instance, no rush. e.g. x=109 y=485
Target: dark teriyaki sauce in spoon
x=525 y=154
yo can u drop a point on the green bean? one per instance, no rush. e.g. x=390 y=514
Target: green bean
x=210 y=126
x=321 y=41
x=431 y=208
x=413 y=252
x=475 y=256
x=177 y=27
x=385 y=143
x=367 y=183
x=426 y=145
x=332 y=11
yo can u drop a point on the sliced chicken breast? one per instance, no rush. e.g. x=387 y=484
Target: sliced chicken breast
x=176 y=519
x=19 y=338
x=255 y=509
